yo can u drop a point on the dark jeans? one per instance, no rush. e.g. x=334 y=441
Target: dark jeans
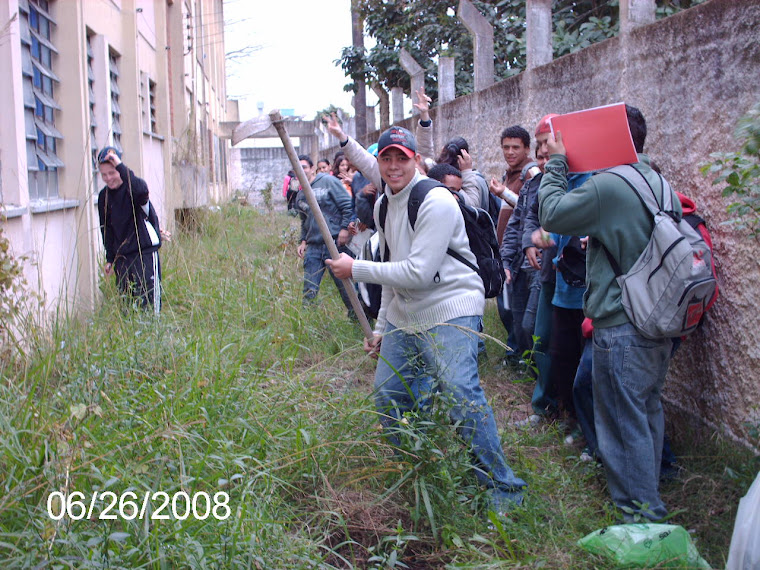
x=543 y=401
x=314 y=269
x=505 y=314
x=566 y=347
x=525 y=288
x=291 y=198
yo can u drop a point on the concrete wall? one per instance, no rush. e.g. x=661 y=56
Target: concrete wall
x=693 y=75
x=253 y=168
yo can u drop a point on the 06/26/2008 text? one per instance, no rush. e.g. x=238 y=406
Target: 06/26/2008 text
x=130 y=505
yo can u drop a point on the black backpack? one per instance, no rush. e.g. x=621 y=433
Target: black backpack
x=480 y=233
x=371 y=294
x=494 y=207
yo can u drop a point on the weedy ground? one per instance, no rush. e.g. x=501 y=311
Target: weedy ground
x=238 y=388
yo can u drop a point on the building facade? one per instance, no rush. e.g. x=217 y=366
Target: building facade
x=145 y=76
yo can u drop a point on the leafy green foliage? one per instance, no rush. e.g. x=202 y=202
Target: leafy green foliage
x=18 y=305
x=329 y=110
x=430 y=28
x=740 y=172
x=10 y=280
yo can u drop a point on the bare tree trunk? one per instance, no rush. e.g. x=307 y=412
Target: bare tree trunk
x=360 y=98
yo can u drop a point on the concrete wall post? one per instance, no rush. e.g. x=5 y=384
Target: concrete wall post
x=635 y=13
x=538 y=19
x=371 y=124
x=397 y=104
x=385 y=106
x=482 y=37
x=446 y=80
x=415 y=71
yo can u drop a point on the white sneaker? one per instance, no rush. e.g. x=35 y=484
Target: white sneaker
x=531 y=421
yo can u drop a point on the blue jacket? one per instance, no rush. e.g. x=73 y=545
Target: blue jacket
x=335 y=204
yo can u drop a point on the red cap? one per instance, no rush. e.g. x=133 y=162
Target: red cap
x=397 y=137
x=543 y=124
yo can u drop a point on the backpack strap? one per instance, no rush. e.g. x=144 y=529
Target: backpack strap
x=381 y=215
x=645 y=193
x=525 y=169
x=640 y=185
x=416 y=196
x=461 y=259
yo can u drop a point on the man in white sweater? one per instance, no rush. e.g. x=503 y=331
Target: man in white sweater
x=431 y=306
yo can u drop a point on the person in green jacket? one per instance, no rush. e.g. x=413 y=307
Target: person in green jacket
x=629 y=370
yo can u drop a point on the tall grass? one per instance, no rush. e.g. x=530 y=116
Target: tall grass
x=238 y=388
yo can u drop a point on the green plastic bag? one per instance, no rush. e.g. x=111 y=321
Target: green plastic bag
x=645 y=546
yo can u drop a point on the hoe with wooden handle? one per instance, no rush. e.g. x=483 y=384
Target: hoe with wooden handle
x=276 y=120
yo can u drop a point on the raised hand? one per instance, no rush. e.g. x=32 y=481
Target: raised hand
x=334 y=128
x=423 y=104
x=464 y=160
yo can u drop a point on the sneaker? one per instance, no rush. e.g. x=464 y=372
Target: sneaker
x=510 y=360
x=586 y=457
x=531 y=421
x=575 y=435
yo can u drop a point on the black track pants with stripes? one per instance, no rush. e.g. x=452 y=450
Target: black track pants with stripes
x=139 y=278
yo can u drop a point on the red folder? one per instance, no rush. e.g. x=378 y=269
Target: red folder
x=596 y=138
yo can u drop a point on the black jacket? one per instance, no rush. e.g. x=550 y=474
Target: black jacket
x=516 y=237
x=123 y=220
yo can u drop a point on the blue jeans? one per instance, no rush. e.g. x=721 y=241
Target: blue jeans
x=543 y=402
x=583 y=397
x=524 y=291
x=628 y=374
x=314 y=269
x=448 y=353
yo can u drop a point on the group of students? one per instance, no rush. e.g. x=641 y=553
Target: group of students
x=426 y=332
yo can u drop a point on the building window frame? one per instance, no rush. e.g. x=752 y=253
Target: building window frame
x=113 y=72
x=39 y=59
x=91 y=105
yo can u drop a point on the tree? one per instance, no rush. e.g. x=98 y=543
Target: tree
x=360 y=91
x=430 y=28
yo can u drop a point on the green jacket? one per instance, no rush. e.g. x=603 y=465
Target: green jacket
x=607 y=209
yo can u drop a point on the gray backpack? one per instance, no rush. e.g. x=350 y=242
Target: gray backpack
x=666 y=291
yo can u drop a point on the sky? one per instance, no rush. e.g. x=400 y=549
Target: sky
x=293 y=68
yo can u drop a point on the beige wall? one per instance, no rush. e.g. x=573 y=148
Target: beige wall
x=61 y=238
x=200 y=104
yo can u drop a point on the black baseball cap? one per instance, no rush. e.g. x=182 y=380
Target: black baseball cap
x=103 y=153
x=397 y=137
